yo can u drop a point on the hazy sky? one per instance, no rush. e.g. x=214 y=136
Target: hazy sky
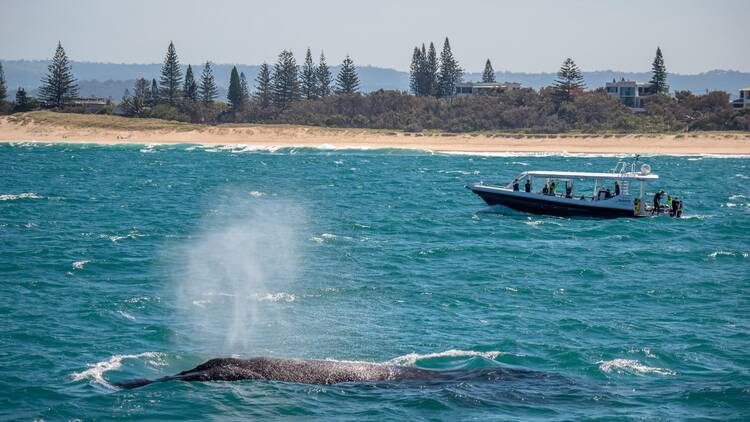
x=517 y=35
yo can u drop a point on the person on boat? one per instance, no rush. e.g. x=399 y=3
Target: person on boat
x=553 y=188
x=515 y=185
x=617 y=188
x=527 y=187
x=607 y=194
x=545 y=189
x=569 y=189
x=669 y=201
x=657 y=203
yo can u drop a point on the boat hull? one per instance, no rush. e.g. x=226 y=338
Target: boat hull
x=545 y=205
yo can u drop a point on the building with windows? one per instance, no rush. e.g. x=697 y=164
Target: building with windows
x=744 y=100
x=630 y=93
x=470 y=88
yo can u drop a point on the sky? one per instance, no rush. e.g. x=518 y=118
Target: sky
x=516 y=35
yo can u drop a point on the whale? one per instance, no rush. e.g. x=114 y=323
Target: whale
x=324 y=372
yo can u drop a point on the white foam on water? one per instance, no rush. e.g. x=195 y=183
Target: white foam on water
x=631 y=366
x=256 y=194
x=413 y=358
x=278 y=297
x=79 y=264
x=96 y=371
x=716 y=254
x=25 y=195
x=126 y=315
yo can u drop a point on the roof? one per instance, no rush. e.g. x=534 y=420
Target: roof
x=488 y=84
x=576 y=174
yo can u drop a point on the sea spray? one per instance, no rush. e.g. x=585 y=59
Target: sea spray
x=245 y=253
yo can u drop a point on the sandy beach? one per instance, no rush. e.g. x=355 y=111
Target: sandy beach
x=76 y=128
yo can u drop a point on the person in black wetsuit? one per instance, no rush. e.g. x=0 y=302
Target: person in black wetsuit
x=657 y=202
x=527 y=186
x=569 y=190
x=617 y=188
x=515 y=185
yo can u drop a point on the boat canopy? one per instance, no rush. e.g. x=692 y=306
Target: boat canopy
x=584 y=175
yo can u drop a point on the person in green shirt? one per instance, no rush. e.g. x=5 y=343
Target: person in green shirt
x=669 y=201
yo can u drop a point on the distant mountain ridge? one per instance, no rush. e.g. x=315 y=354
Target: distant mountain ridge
x=111 y=79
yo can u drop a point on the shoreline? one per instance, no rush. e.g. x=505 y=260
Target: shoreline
x=48 y=127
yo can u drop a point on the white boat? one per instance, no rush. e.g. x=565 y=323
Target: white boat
x=612 y=195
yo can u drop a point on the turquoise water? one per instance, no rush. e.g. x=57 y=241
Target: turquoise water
x=121 y=262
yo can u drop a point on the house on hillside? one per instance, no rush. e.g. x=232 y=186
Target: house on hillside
x=630 y=93
x=744 y=100
x=471 y=88
x=89 y=105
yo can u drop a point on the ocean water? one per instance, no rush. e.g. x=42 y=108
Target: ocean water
x=122 y=262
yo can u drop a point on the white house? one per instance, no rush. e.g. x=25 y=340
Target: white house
x=469 y=88
x=744 y=100
x=630 y=93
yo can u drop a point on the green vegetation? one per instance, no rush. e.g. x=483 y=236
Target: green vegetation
x=59 y=87
x=347 y=82
x=659 y=80
x=489 y=73
x=308 y=95
x=169 y=84
x=569 y=82
x=207 y=90
x=3 y=88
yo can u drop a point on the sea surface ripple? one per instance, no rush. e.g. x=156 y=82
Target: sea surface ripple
x=121 y=262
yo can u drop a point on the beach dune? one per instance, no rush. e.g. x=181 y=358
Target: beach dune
x=77 y=128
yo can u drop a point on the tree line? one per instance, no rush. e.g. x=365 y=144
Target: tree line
x=309 y=94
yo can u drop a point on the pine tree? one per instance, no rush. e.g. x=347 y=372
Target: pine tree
x=285 y=82
x=234 y=95
x=23 y=103
x=309 y=78
x=324 y=77
x=190 y=87
x=659 y=79
x=450 y=72
x=3 y=86
x=244 y=89
x=347 y=82
x=153 y=94
x=264 y=90
x=569 y=81
x=59 y=86
x=207 y=90
x=415 y=74
x=431 y=72
x=170 y=76
x=489 y=73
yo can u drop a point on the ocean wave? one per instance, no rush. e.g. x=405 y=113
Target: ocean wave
x=631 y=366
x=133 y=234
x=325 y=237
x=26 y=195
x=412 y=358
x=78 y=265
x=719 y=253
x=278 y=297
x=256 y=194
x=96 y=371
